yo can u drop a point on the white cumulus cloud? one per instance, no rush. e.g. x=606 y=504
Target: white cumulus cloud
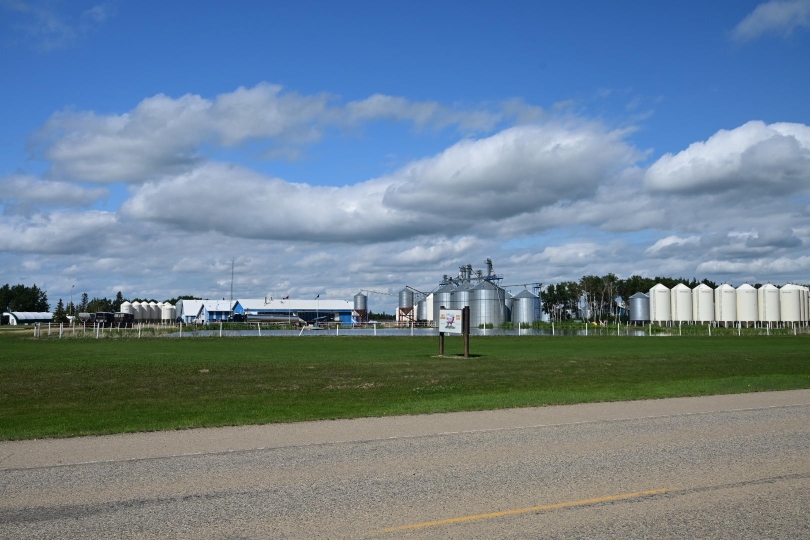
x=753 y=157
x=775 y=17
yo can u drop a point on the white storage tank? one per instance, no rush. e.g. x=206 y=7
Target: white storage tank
x=703 y=303
x=166 y=312
x=126 y=307
x=174 y=313
x=805 y=303
x=660 y=304
x=790 y=298
x=681 y=303
x=768 y=304
x=137 y=311
x=747 y=309
x=154 y=311
x=725 y=304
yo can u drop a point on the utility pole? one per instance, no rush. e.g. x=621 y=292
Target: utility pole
x=230 y=304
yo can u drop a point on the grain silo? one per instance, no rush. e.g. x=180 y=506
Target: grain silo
x=441 y=297
x=421 y=311
x=523 y=308
x=702 y=304
x=805 y=302
x=126 y=307
x=487 y=304
x=790 y=298
x=405 y=310
x=660 y=304
x=174 y=313
x=166 y=312
x=681 y=303
x=768 y=304
x=361 y=306
x=154 y=312
x=725 y=304
x=460 y=296
x=747 y=310
x=137 y=312
x=640 y=308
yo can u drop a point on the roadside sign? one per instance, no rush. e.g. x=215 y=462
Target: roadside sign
x=450 y=321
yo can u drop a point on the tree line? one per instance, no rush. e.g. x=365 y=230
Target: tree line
x=22 y=298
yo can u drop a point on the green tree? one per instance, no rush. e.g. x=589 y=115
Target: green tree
x=83 y=305
x=119 y=299
x=60 y=316
x=22 y=298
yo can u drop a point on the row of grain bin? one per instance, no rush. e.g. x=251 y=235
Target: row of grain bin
x=724 y=305
x=489 y=304
x=150 y=311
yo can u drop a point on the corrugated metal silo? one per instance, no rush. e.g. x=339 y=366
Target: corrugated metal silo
x=174 y=313
x=660 y=304
x=421 y=311
x=460 y=296
x=790 y=298
x=725 y=304
x=361 y=306
x=166 y=312
x=768 y=304
x=487 y=304
x=702 y=303
x=405 y=298
x=805 y=303
x=442 y=298
x=126 y=307
x=154 y=313
x=640 y=307
x=681 y=303
x=747 y=310
x=523 y=304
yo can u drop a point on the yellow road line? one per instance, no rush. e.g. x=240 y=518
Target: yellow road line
x=583 y=502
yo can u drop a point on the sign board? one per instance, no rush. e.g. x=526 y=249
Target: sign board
x=450 y=321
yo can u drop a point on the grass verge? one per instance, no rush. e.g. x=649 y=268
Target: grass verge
x=60 y=388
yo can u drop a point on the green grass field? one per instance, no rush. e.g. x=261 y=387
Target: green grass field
x=59 y=388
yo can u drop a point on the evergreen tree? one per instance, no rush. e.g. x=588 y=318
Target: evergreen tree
x=84 y=302
x=119 y=299
x=59 y=316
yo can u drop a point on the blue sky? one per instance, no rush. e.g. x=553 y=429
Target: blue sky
x=146 y=144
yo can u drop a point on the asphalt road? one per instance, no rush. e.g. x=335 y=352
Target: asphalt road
x=712 y=467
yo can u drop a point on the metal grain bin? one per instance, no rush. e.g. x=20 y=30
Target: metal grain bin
x=360 y=302
x=442 y=298
x=487 y=304
x=523 y=308
x=640 y=307
x=460 y=296
x=421 y=311
x=405 y=298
